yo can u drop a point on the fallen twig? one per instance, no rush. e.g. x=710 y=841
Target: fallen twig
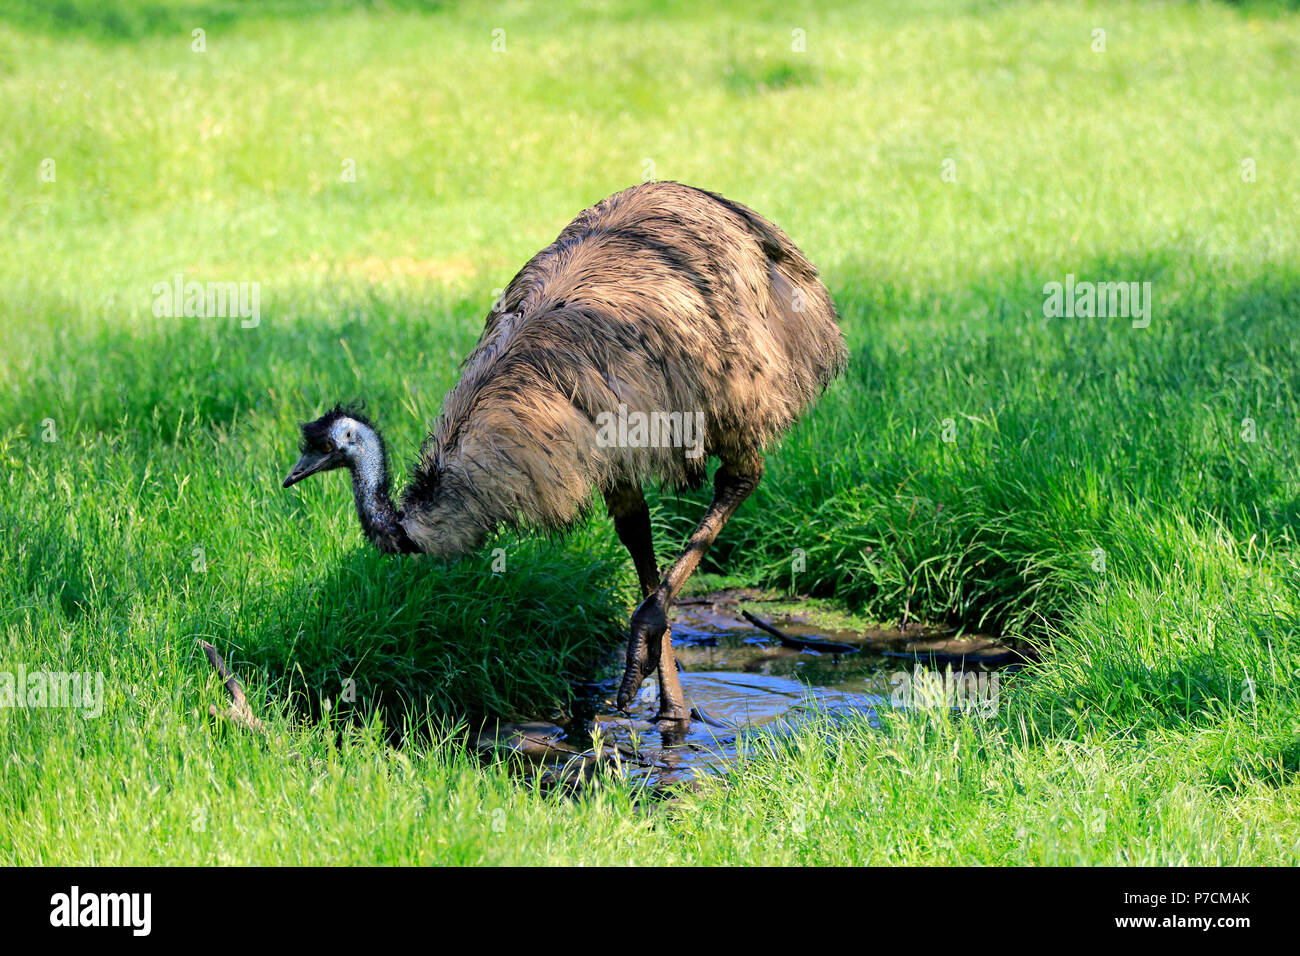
x=799 y=643
x=238 y=712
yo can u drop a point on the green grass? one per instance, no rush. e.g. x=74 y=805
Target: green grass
x=1099 y=495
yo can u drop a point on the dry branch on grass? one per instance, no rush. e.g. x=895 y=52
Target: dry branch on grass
x=238 y=712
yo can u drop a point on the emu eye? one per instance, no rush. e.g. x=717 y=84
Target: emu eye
x=328 y=447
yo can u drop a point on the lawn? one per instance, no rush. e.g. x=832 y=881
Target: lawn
x=1122 y=492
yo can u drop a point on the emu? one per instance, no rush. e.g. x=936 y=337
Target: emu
x=661 y=300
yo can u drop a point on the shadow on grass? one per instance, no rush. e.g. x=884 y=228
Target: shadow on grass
x=418 y=640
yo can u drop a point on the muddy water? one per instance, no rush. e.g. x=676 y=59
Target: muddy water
x=739 y=679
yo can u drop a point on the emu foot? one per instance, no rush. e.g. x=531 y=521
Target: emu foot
x=673 y=730
x=649 y=625
x=642 y=661
x=674 y=716
x=638 y=669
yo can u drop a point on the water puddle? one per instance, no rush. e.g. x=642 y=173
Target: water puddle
x=750 y=663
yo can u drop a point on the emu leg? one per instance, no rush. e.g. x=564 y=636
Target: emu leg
x=631 y=517
x=733 y=483
x=627 y=507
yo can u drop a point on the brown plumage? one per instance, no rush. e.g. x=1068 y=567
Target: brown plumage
x=661 y=299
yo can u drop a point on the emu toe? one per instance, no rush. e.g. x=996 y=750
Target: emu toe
x=638 y=669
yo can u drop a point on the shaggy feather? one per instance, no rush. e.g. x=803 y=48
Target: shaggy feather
x=662 y=298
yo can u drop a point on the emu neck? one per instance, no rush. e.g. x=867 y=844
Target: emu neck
x=371 y=489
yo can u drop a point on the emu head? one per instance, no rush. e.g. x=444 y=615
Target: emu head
x=337 y=439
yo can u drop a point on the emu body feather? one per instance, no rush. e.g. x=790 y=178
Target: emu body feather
x=662 y=298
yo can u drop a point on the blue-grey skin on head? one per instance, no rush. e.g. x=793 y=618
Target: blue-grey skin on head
x=343 y=438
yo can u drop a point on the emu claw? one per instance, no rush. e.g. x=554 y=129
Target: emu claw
x=638 y=668
x=649 y=624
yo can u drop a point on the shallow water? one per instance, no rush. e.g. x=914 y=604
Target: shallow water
x=740 y=680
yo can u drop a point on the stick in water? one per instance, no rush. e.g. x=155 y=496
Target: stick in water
x=800 y=643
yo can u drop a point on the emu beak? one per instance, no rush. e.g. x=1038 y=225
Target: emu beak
x=310 y=463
